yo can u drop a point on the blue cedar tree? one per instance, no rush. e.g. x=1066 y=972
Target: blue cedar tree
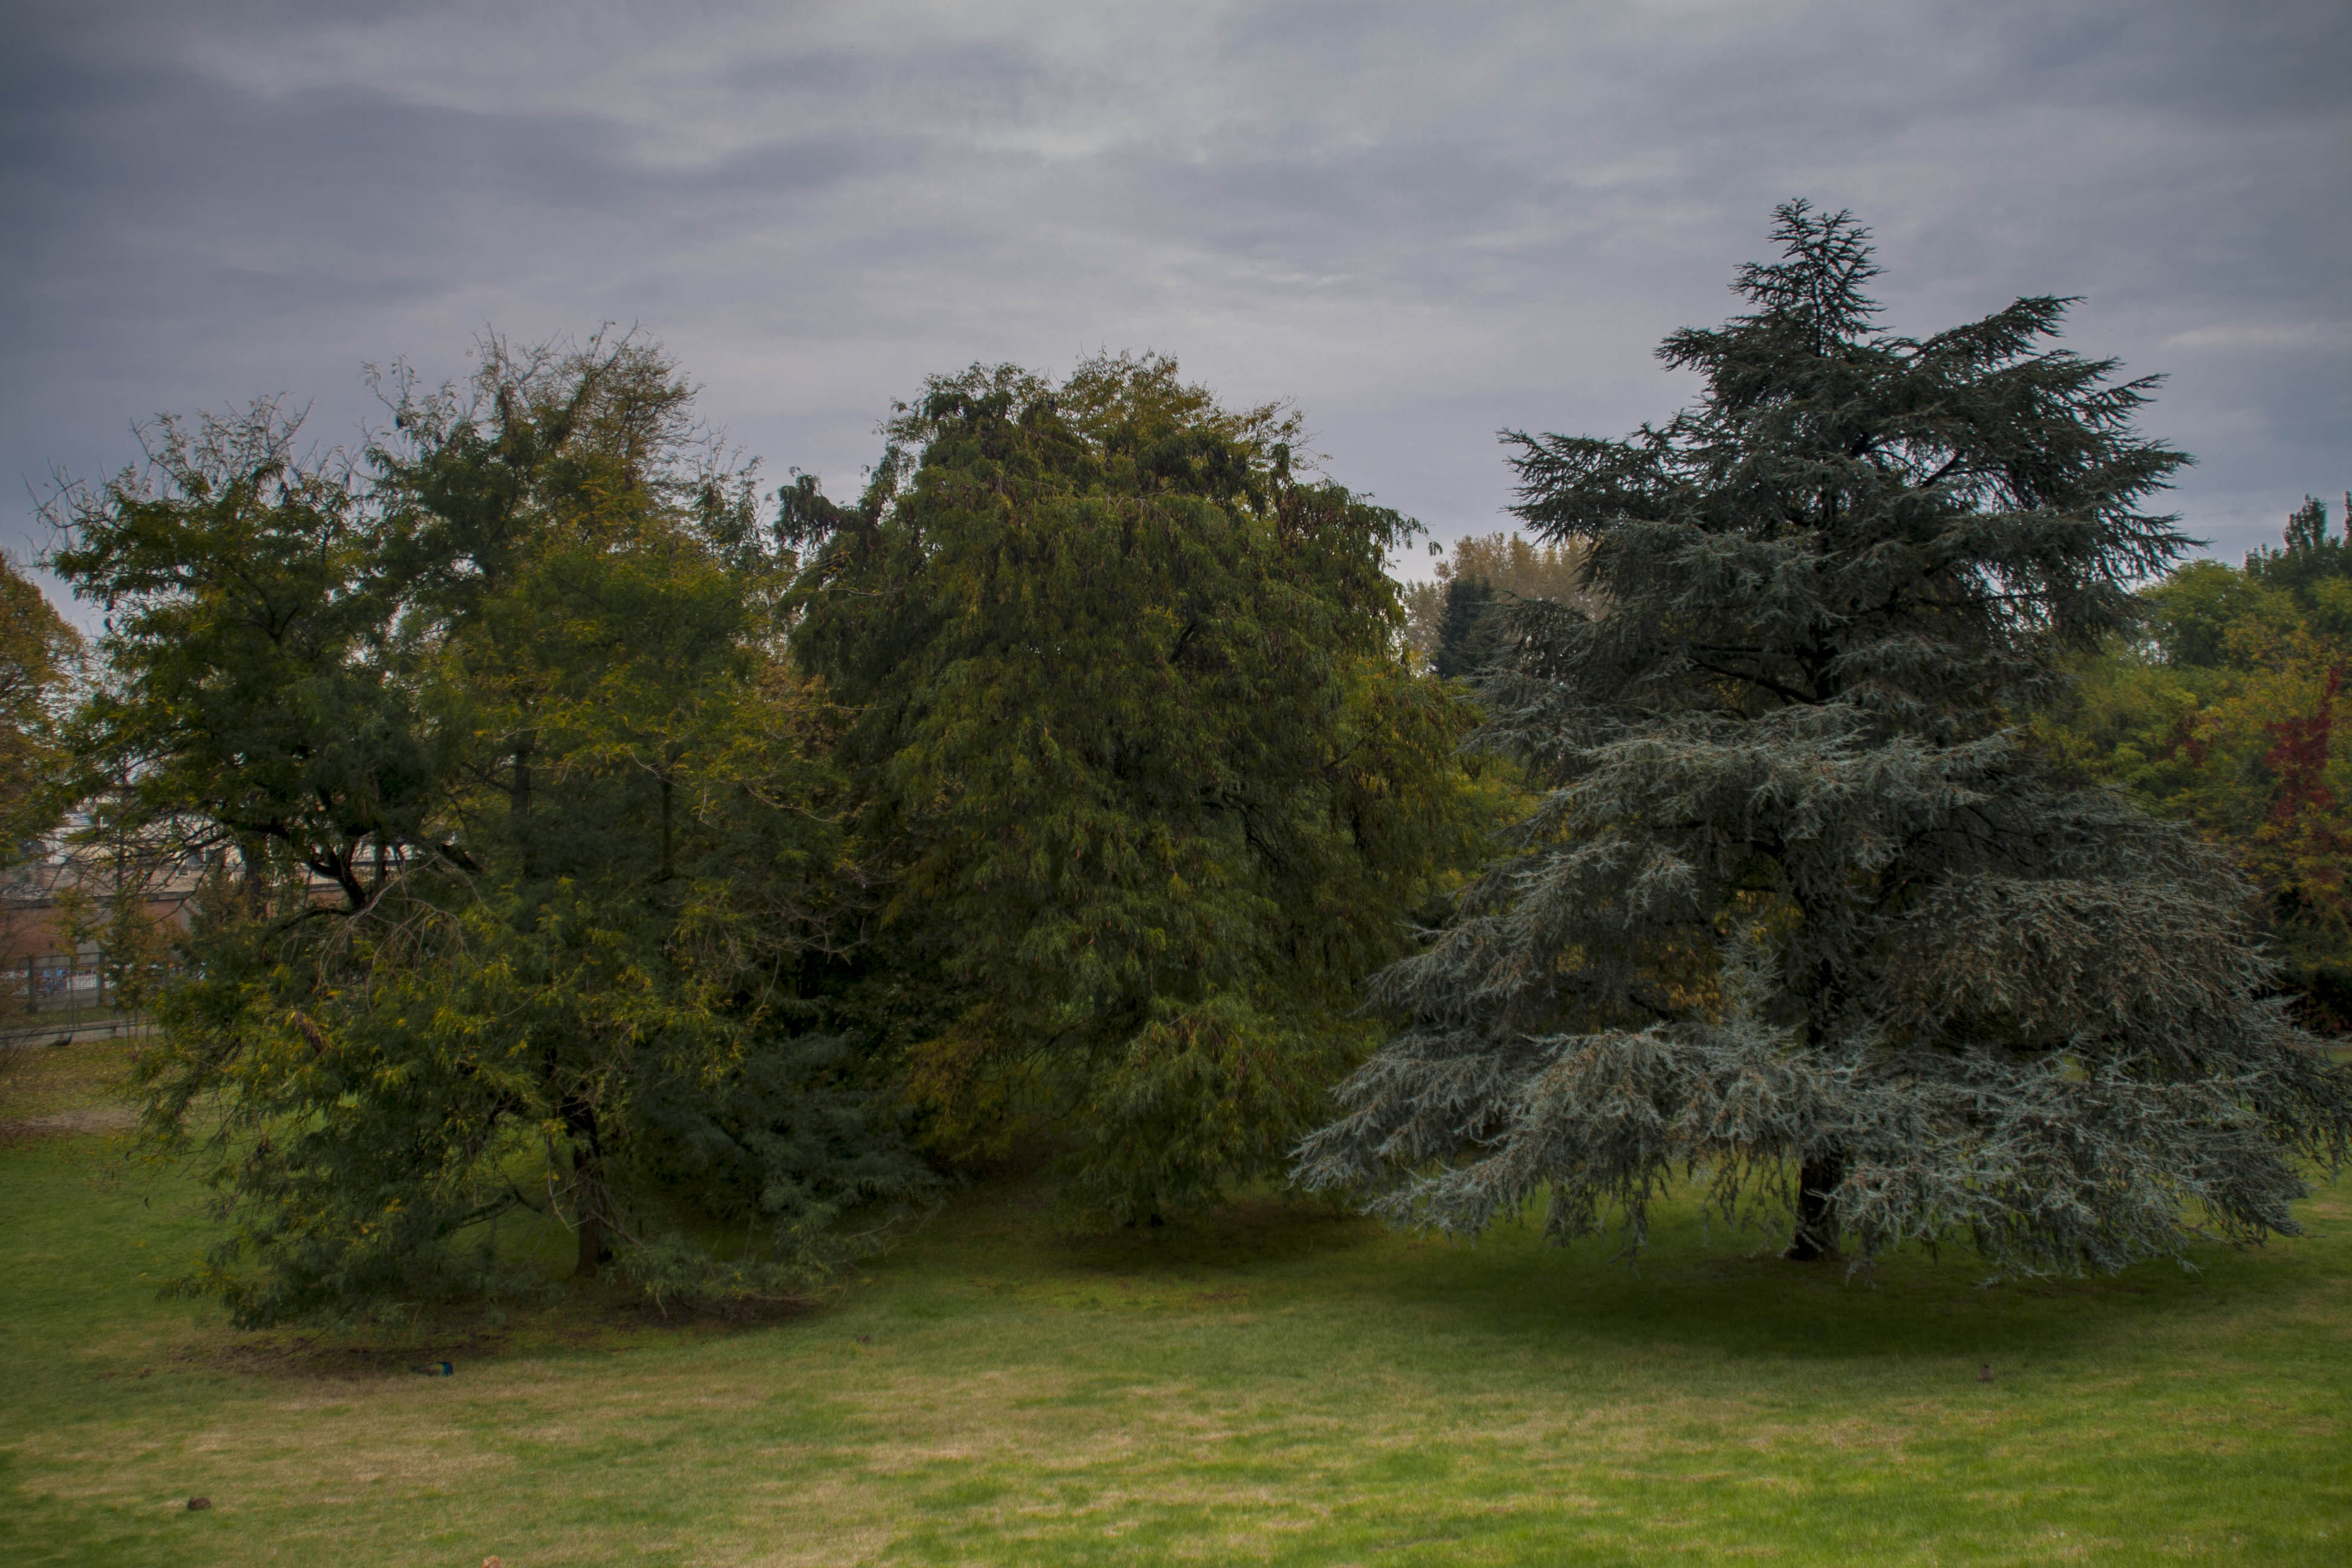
x=1800 y=916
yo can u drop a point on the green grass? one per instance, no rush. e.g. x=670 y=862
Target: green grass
x=1282 y=1387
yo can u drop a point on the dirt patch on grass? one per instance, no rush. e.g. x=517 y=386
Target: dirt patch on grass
x=475 y=1336
x=65 y=1123
x=285 y=1358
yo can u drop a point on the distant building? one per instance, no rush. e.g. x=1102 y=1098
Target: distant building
x=39 y=960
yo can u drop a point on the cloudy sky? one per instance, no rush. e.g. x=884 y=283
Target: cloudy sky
x=1422 y=221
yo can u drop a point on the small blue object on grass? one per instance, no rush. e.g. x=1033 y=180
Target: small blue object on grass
x=435 y=1369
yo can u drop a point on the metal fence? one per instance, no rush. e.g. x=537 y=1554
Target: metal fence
x=46 y=995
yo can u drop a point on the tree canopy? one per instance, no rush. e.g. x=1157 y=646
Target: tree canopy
x=1128 y=725
x=1803 y=913
x=523 y=879
x=1470 y=632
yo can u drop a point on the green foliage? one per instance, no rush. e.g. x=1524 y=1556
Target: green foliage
x=40 y=655
x=1470 y=632
x=522 y=879
x=1801 y=913
x=1129 y=727
x=2311 y=566
x=2223 y=715
x=1505 y=563
x=245 y=704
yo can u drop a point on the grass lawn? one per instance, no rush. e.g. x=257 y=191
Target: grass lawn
x=1286 y=1387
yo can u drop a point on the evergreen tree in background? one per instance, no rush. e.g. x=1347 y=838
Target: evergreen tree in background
x=2311 y=565
x=1507 y=563
x=1130 y=733
x=1801 y=916
x=1470 y=632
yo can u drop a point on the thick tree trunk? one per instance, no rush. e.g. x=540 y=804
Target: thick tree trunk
x=1817 y=1228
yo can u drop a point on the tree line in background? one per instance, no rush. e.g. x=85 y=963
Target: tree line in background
x=2221 y=711
x=588 y=833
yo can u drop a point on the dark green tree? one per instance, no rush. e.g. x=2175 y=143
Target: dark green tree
x=1132 y=735
x=1470 y=632
x=1801 y=916
x=523 y=861
x=1506 y=563
x=2312 y=564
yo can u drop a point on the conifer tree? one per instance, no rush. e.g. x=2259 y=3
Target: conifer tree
x=1503 y=561
x=1469 y=634
x=1801 y=916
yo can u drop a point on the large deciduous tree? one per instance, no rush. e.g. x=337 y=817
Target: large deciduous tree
x=523 y=867
x=1130 y=729
x=1801 y=915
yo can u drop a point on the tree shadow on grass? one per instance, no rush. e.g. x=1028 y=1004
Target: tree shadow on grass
x=1734 y=1295
x=1722 y=1292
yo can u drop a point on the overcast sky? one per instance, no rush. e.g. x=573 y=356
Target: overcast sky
x=1422 y=221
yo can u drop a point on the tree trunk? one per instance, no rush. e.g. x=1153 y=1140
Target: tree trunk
x=591 y=1252
x=519 y=805
x=1817 y=1228
x=588 y=1189
x=253 y=874
x=666 y=860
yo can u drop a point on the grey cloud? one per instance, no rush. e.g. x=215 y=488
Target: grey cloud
x=1423 y=222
